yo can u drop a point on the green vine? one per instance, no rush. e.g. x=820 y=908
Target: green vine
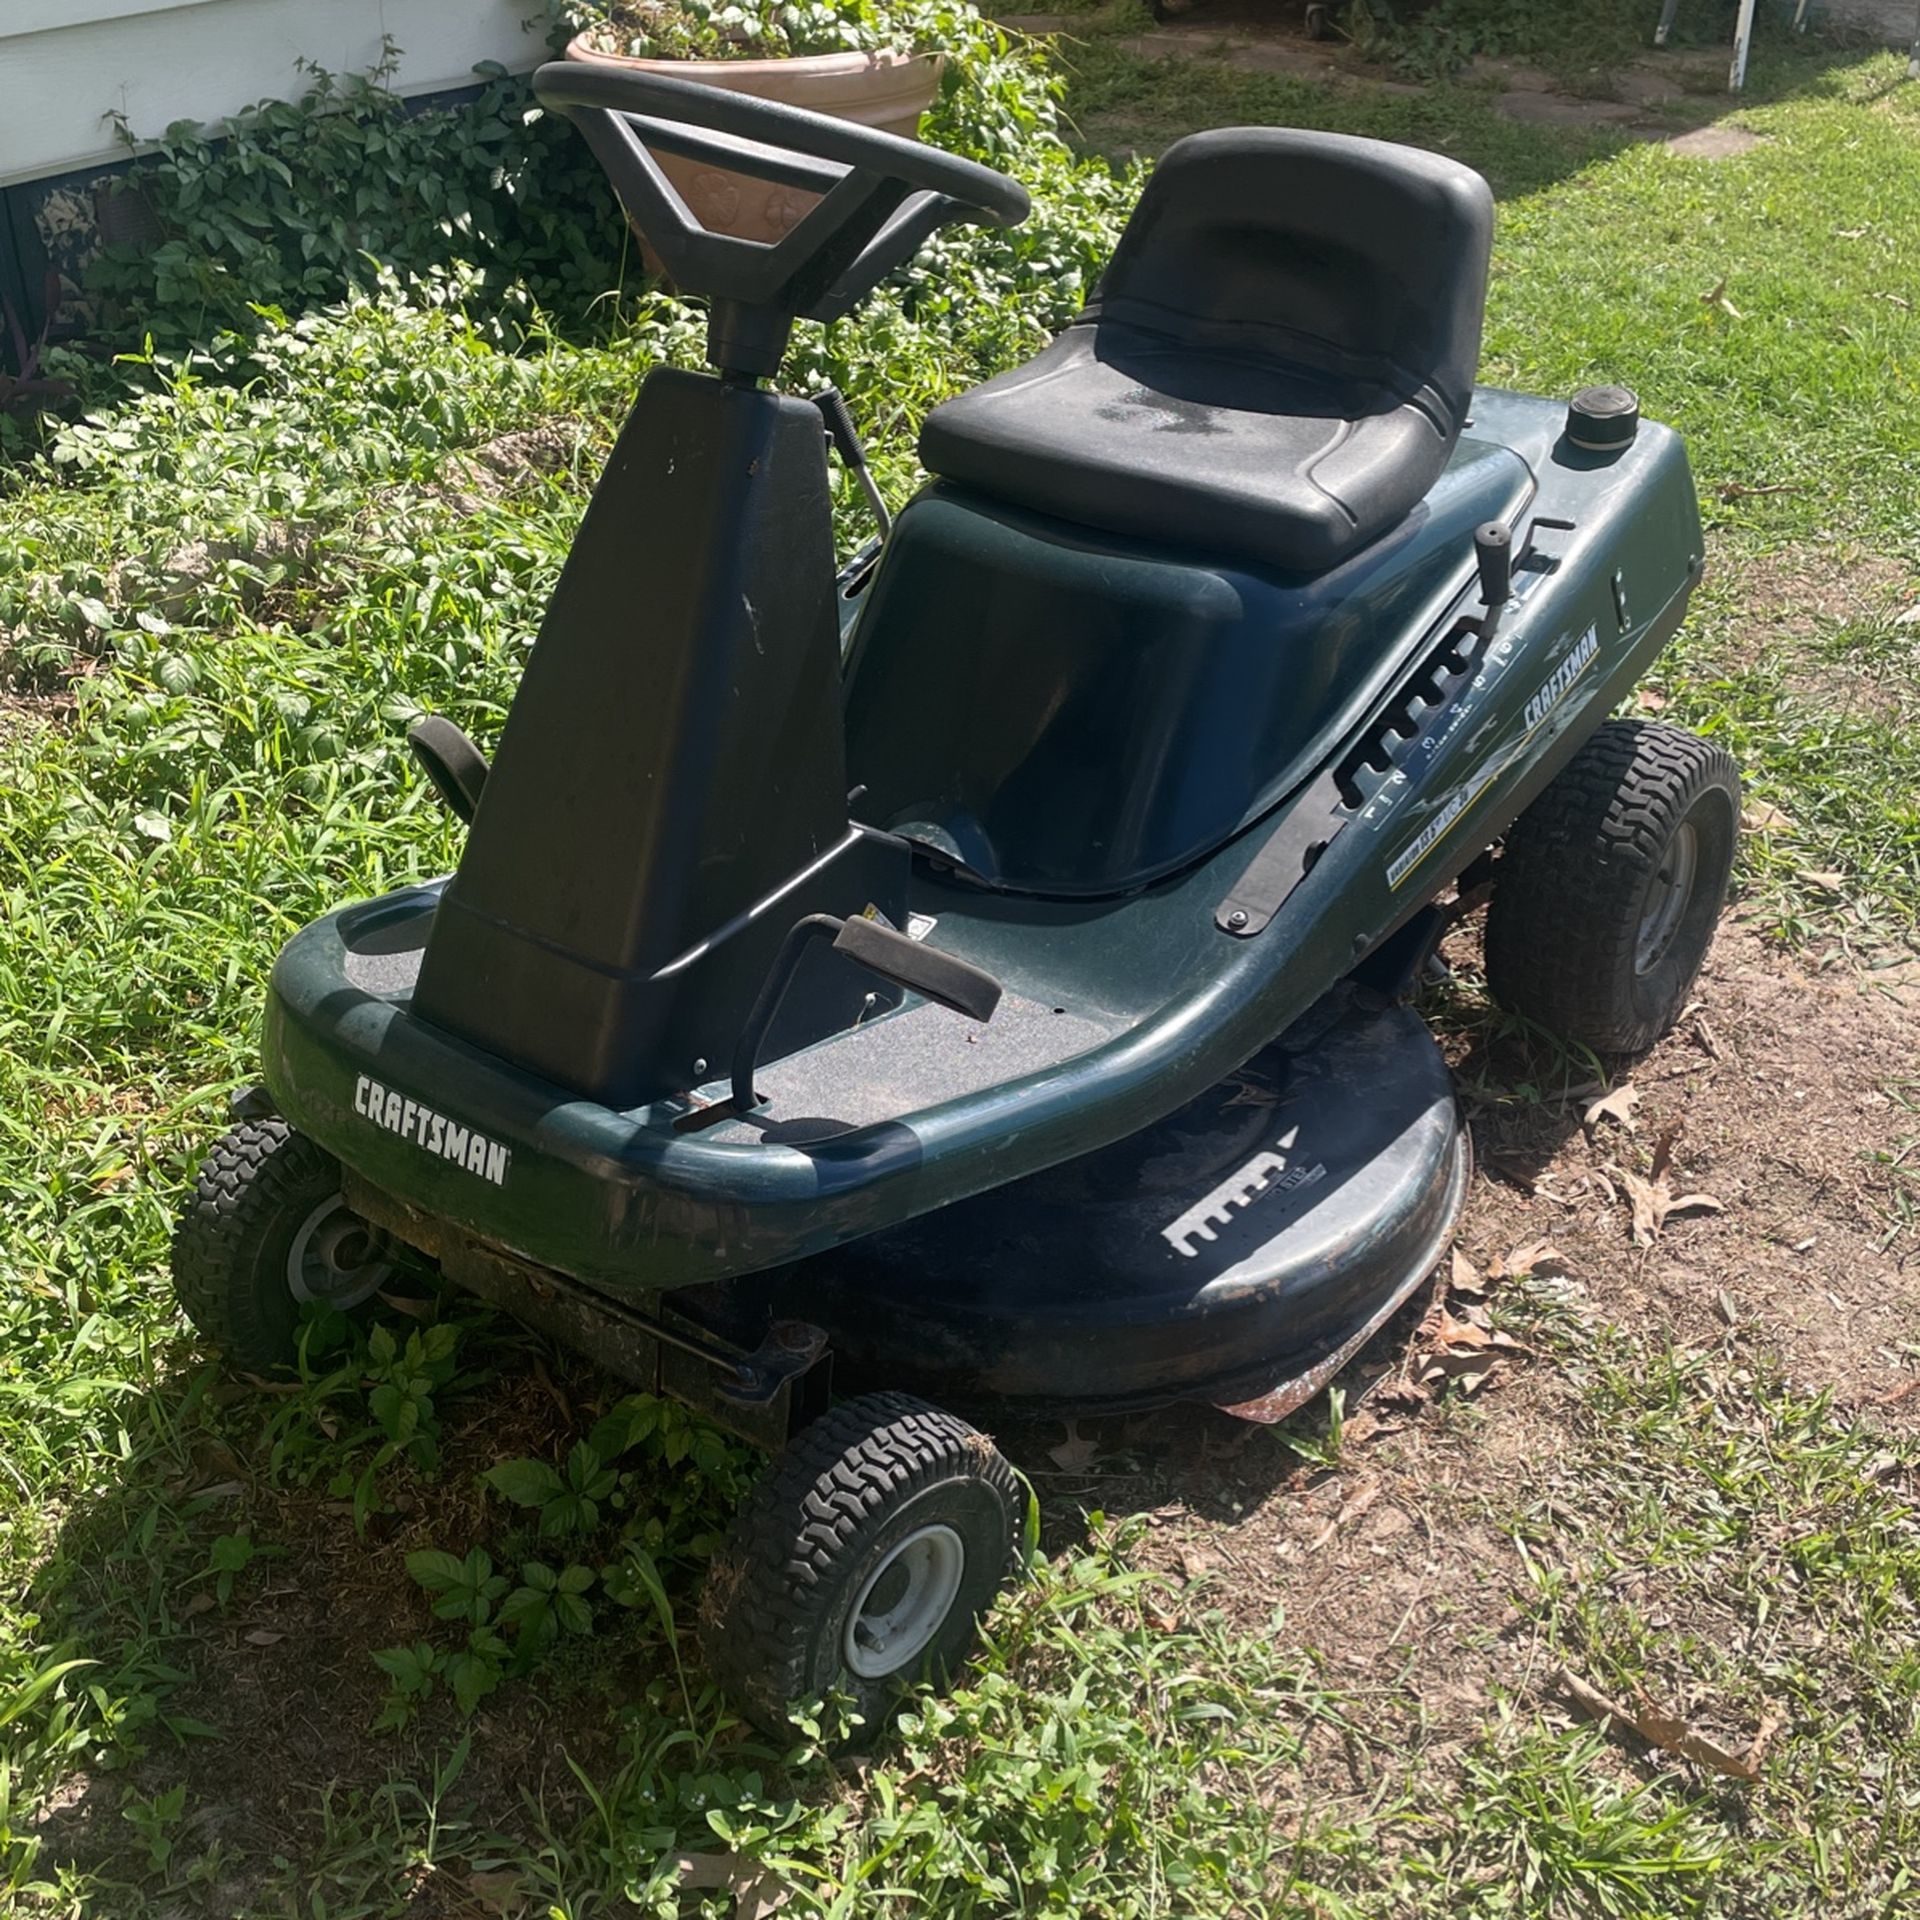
x=299 y=203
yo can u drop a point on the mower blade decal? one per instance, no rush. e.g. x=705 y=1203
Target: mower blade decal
x=1265 y=1174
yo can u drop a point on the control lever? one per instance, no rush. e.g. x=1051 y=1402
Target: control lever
x=904 y=962
x=846 y=440
x=1493 y=556
x=457 y=768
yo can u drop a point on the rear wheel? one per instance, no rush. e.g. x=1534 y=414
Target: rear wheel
x=1610 y=886
x=862 y=1561
x=266 y=1232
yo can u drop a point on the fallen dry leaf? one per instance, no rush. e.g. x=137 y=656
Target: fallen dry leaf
x=1771 y=1724
x=1538 y=1257
x=1648 y=701
x=1829 y=882
x=1362 y=1425
x=1661 y=1729
x=264 y=1637
x=1197 y=1560
x=1451 y=1335
x=1350 y=1510
x=1617 y=1105
x=1407 y=1394
x=1652 y=1197
x=1716 y=296
x=499 y=1891
x=1076 y=1452
x=1468 y=1281
x=414 y=1307
x=756 y=1892
x=1672 y=1735
x=1762 y=816
x=1469 y=1369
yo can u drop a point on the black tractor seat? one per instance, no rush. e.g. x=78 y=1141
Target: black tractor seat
x=1274 y=367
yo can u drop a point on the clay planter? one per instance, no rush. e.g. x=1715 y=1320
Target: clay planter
x=885 y=90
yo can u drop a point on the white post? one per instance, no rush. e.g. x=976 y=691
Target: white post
x=1742 y=42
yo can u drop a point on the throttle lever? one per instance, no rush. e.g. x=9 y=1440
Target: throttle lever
x=846 y=440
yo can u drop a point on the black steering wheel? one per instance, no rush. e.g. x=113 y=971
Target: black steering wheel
x=881 y=195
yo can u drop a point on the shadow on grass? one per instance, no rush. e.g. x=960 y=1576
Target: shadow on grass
x=1126 y=101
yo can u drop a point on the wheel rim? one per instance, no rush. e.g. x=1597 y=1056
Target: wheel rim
x=1666 y=902
x=335 y=1257
x=905 y=1602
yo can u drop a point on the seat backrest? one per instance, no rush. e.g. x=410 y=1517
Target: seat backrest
x=1356 y=262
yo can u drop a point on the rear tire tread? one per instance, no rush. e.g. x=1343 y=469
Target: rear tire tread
x=1561 y=929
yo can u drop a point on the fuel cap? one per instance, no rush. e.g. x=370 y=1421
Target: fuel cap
x=1603 y=419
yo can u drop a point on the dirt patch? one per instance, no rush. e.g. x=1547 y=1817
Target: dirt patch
x=1799 y=589
x=1784 y=1086
x=25 y=713
x=1715 y=143
x=484 y=475
x=1642 y=100
x=1564 y=110
x=283 y=1672
x=1793 y=602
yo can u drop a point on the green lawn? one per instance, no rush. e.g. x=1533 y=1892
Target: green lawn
x=220 y=606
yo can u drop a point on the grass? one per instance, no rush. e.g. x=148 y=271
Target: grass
x=221 y=606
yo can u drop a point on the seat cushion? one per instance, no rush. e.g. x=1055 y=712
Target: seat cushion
x=1274 y=367
x=1116 y=430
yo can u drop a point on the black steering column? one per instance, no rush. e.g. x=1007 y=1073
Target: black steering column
x=669 y=796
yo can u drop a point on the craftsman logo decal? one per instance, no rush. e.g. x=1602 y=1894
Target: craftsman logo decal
x=1265 y=1174
x=1554 y=688
x=464 y=1146
x=1551 y=691
x=1424 y=842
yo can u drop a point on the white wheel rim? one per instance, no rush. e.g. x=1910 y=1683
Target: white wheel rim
x=1667 y=899
x=905 y=1602
x=335 y=1257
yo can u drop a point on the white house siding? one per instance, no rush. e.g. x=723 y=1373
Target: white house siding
x=67 y=66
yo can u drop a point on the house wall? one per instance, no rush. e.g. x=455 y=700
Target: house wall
x=66 y=66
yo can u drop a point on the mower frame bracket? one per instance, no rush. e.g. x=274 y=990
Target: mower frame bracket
x=1283 y=861
x=763 y=1395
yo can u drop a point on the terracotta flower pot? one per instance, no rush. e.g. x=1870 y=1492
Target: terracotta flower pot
x=885 y=90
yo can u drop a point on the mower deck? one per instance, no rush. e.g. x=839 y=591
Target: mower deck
x=1238 y=1251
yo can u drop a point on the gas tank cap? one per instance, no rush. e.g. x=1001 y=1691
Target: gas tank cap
x=1603 y=419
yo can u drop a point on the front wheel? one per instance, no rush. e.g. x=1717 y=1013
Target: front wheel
x=1610 y=886
x=267 y=1231
x=862 y=1561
